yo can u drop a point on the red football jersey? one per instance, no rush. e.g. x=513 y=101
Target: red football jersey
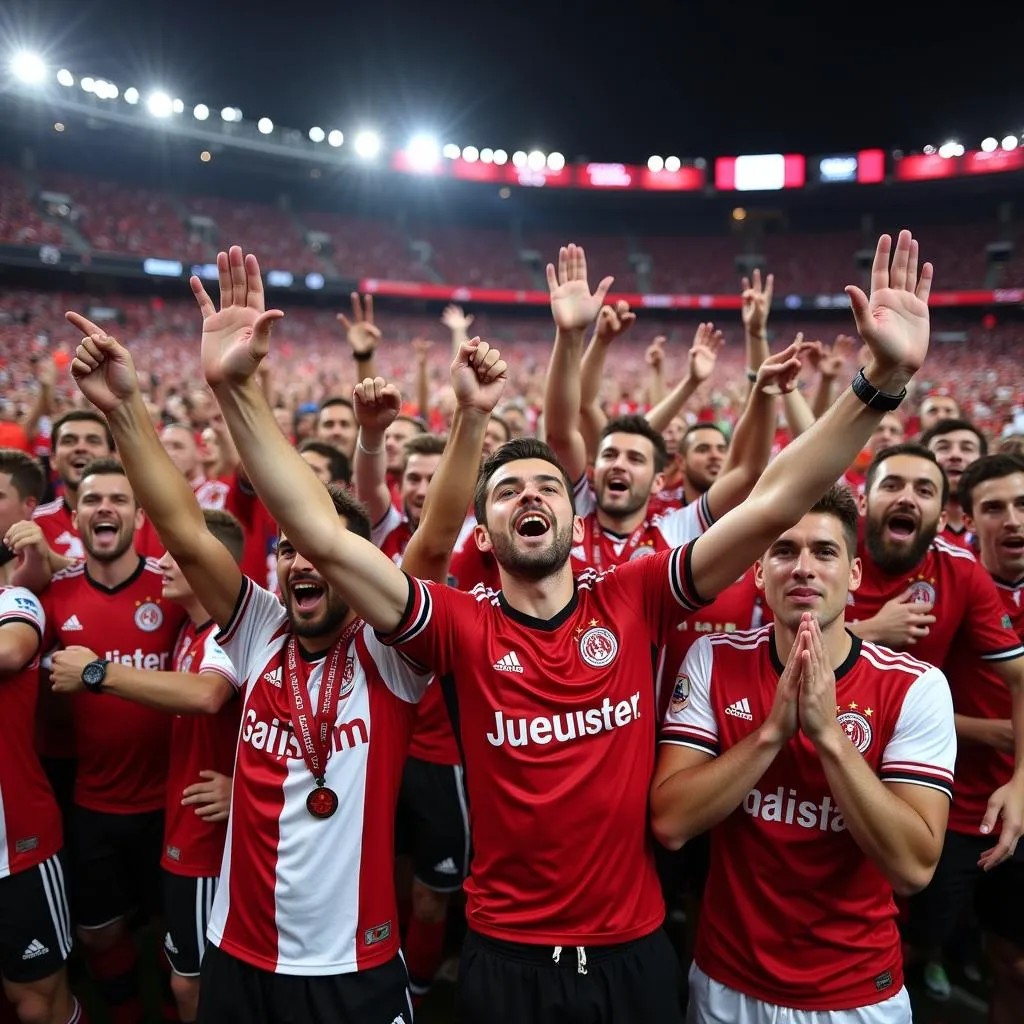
x=469 y=566
x=54 y=519
x=192 y=846
x=30 y=827
x=965 y=602
x=259 y=556
x=121 y=746
x=392 y=534
x=298 y=894
x=667 y=500
x=794 y=912
x=979 y=693
x=556 y=721
x=961 y=538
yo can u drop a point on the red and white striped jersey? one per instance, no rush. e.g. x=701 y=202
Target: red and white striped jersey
x=794 y=913
x=30 y=828
x=300 y=895
x=392 y=534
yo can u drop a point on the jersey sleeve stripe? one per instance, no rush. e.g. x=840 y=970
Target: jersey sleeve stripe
x=690 y=741
x=1006 y=654
x=214 y=670
x=916 y=768
x=913 y=779
x=680 y=574
x=704 y=516
x=244 y=596
x=414 y=618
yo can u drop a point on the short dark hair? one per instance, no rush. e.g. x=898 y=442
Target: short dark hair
x=416 y=421
x=914 y=448
x=339 y=465
x=335 y=400
x=25 y=472
x=107 y=466
x=80 y=416
x=423 y=444
x=950 y=427
x=1012 y=445
x=227 y=529
x=516 y=450
x=684 y=441
x=497 y=417
x=355 y=512
x=988 y=467
x=634 y=424
x=838 y=501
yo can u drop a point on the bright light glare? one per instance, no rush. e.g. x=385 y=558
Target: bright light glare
x=335 y=138
x=486 y=155
x=131 y=95
x=518 y=158
x=450 y=151
x=231 y=114
x=159 y=104
x=470 y=154
x=367 y=144
x=200 y=111
x=105 y=90
x=317 y=134
x=555 y=161
x=951 y=149
x=672 y=164
x=29 y=67
x=178 y=106
x=88 y=84
x=423 y=151
x=264 y=126
x=989 y=145
x=655 y=163
x=1009 y=143
x=500 y=157
x=536 y=160
x=64 y=77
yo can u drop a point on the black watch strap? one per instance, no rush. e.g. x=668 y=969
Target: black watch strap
x=872 y=397
x=94 y=674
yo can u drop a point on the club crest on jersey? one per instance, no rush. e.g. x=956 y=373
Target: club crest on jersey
x=857 y=728
x=348 y=678
x=149 y=616
x=598 y=647
x=641 y=552
x=379 y=933
x=680 y=694
x=923 y=591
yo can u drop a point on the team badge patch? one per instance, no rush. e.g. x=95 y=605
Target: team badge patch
x=598 y=647
x=149 y=617
x=348 y=678
x=922 y=591
x=379 y=933
x=857 y=728
x=680 y=694
x=641 y=553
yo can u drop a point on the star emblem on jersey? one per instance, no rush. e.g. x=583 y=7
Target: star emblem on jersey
x=149 y=616
x=856 y=726
x=509 y=663
x=598 y=647
x=923 y=591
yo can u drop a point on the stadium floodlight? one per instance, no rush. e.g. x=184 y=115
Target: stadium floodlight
x=486 y=155
x=928 y=151
x=105 y=90
x=317 y=134
x=536 y=160
x=519 y=158
x=555 y=161
x=655 y=163
x=159 y=104
x=178 y=106
x=672 y=164
x=423 y=151
x=200 y=111
x=367 y=144
x=500 y=157
x=231 y=114
x=989 y=145
x=451 y=151
x=29 y=67
x=1009 y=143
x=65 y=78
x=88 y=84
x=470 y=154
x=131 y=95
x=335 y=138
x=950 y=149
x=264 y=126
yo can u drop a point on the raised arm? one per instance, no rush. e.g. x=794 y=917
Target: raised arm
x=478 y=376
x=830 y=365
x=573 y=308
x=458 y=322
x=376 y=404
x=421 y=376
x=363 y=335
x=894 y=325
x=105 y=374
x=235 y=340
x=757 y=304
x=611 y=322
x=700 y=364
x=654 y=357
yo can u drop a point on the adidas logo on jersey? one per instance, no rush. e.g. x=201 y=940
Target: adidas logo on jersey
x=33 y=949
x=446 y=867
x=273 y=677
x=509 y=663
x=741 y=709
x=169 y=944
x=72 y=624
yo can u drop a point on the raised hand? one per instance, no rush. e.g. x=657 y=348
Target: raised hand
x=237 y=336
x=779 y=373
x=478 y=376
x=377 y=404
x=817 y=701
x=422 y=347
x=361 y=332
x=704 y=352
x=757 y=302
x=893 y=323
x=102 y=368
x=456 y=319
x=834 y=359
x=613 y=321
x=573 y=306
x=654 y=355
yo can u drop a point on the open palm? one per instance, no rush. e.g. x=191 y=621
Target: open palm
x=572 y=304
x=704 y=352
x=237 y=336
x=894 y=322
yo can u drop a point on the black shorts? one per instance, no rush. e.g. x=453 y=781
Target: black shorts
x=998 y=895
x=115 y=865
x=234 y=992
x=432 y=824
x=35 y=923
x=188 y=903
x=509 y=983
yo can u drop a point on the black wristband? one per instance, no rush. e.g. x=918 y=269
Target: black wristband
x=872 y=397
x=361 y=357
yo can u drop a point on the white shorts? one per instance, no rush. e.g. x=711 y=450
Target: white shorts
x=711 y=1002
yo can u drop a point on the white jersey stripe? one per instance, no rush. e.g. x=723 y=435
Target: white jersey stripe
x=53 y=900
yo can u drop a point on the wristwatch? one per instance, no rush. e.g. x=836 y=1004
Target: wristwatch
x=93 y=675
x=873 y=397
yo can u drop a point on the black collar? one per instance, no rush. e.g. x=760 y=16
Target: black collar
x=851 y=658
x=532 y=622
x=120 y=586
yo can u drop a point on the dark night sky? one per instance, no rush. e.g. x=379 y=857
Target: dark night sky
x=609 y=81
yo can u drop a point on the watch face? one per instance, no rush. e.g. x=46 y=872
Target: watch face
x=93 y=673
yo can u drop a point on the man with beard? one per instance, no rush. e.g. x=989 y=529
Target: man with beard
x=550 y=680
x=935 y=408
x=955 y=445
x=111 y=603
x=823 y=767
x=305 y=917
